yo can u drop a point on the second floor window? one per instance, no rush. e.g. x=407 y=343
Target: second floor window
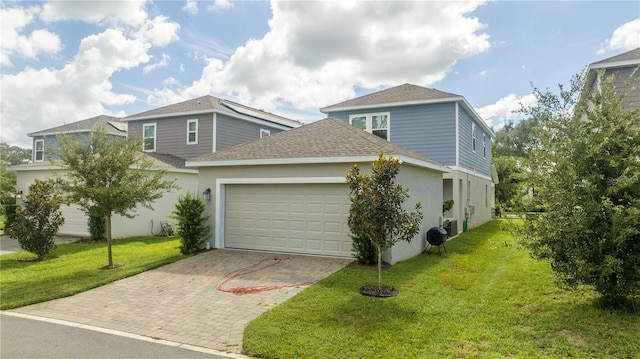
x=192 y=132
x=473 y=137
x=38 y=155
x=149 y=137
x=374 y=123
x=264 y=133
x=484 y=145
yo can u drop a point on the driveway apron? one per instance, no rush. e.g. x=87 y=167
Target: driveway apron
x=192 y=301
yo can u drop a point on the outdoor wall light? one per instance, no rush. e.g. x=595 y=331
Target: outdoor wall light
x=19 y=195
x=206 y=195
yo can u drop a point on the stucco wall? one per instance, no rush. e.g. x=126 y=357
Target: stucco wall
x=424 y=185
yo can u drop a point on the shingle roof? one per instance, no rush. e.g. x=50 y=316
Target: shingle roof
x=211 y=104
x=402 y=93
x=328 y=138
x=159 y=160
x=632 y=56
x=111 y=124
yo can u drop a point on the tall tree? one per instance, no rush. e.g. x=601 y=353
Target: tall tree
x=376 y=209
x=108 y=174
x=586 y=177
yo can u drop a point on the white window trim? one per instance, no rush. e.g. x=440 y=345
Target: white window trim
x=189 y=122
x=473 y=137
x=369 y=124
x=264 y=133
x=155 y=136
x=35 y=151
x=484 y=146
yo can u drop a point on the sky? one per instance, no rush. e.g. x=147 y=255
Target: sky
x=65 y=61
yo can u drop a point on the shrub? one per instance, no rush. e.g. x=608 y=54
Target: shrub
x=192 y=228
x=36 y=225
x=97 y=226
x=363 y=250
x=10 y=217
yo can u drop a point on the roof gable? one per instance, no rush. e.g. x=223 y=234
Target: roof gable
x=398 y=95
x=319 y=141
x=625 y=59
x=112 y=125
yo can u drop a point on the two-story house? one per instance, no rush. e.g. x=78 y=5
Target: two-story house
x=203 y=125
x=171 y=135
x=441 y=126
x=625 y=66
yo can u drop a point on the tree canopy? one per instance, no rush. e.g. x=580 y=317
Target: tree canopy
x=585 y=175
x=109 y=175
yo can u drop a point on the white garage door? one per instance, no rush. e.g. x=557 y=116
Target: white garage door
x=295 y=218
x=75 y=221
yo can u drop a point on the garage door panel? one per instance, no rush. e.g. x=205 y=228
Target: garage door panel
x=297 y=218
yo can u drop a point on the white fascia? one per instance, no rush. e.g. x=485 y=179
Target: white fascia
x=472 y=173
x=314 y=160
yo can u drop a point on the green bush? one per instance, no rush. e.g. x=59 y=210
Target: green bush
x=192 y=225
x=363 y=250
x=97 y=226
x=10 y=220
x=36 y=225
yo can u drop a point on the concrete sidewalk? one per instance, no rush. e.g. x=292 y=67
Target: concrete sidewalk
x=9 y=245
x=188 y=301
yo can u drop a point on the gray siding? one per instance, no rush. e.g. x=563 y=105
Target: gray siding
x=425 y=129
x=231 y=131
x=171 y=135
x=51 y=144
x=632 y=101
x=477 y=161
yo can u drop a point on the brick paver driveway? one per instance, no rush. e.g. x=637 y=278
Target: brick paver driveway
x=179 y=302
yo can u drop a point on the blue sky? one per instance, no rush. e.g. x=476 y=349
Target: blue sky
x=65 y=61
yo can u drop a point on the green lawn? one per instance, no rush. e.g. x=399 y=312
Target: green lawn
x=75 y=267
x=486 y=299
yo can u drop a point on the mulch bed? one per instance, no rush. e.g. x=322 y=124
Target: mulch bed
x=379 y=292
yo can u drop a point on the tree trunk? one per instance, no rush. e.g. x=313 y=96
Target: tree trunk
x=109 y=241
x=379 y=267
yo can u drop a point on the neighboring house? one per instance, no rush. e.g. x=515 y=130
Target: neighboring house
x=145 y=223
x=45 y=140
x=288 y=192
x=439 y=125
x=203 y=125
x=622 y=67
x=170 y=135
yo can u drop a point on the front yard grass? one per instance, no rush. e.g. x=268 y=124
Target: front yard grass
x=486 y=298
x=75 y=267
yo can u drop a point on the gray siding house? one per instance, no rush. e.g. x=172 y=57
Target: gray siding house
x=441 y=126
x=45 y=140
x=621 y=66
x=203 y=125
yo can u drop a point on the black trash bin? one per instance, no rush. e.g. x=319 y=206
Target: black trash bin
x=436 y=237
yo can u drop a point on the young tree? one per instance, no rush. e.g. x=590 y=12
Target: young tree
x=376 y=207
x=585 y=174
x=36 y=225
x=108 y=174
x=10 y=155
x=192 y=225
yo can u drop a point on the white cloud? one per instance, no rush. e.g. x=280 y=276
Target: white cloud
x=495 y=115
x=162 y=63
x=316 y=52
x=14 y=20
x=220 y=5
x=130 y=12
x=625 y=38
x=191 y=6
x=159 y=31
x=36 y=99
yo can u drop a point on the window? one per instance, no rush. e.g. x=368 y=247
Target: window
x=473 y=137
x=264 y=133
x=149 y=137
x=375 y=123
x=192 y=132
x=484 y=145
x=39 y=151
